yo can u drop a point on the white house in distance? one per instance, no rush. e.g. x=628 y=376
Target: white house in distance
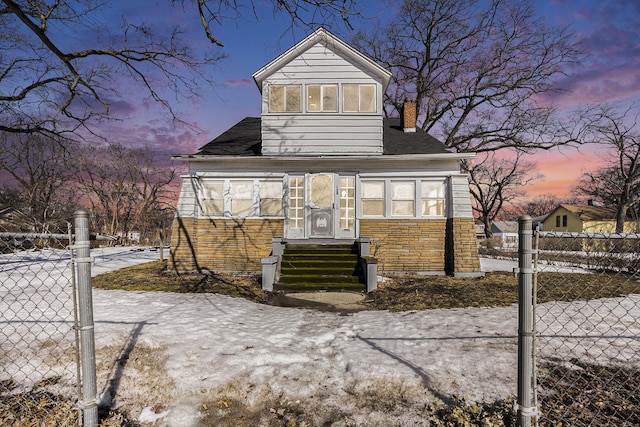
x=321 y=165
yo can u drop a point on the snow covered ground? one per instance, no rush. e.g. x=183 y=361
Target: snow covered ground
x=212 y=345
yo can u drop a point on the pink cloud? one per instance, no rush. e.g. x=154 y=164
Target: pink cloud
x=241 y=82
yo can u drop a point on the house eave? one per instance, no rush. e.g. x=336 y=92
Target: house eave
x=193 y=158
x=317 y=36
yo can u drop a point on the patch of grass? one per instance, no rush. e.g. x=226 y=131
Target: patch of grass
x=495 y=289
x=154 y=276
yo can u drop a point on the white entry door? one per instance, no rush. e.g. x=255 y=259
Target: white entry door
x=321 y=205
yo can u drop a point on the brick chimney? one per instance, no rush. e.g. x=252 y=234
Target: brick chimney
x=409 y=116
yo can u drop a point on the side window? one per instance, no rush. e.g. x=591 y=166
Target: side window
x=271 y=198
x=564 y=220
x=213 y=198
x=372 y=198
x=322 y=98
x=284 y=98
x=241 y=198
x=359 y=98
x=403 y=198
x=433 y=200
x=557 y=220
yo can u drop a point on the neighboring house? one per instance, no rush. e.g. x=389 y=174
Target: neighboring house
x=506 y=233
x=322 y=165
x=588 y=219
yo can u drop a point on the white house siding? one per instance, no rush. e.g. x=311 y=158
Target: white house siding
x=321 y=133
x=460 y=197
x=187 y=206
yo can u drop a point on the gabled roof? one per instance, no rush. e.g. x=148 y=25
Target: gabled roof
x=591 y=213
x=498 y=227
x=245 y=139
x=334 y=43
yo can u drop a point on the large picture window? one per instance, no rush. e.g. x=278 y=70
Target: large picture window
x=358 y=98
x=284 y=98
x=322 y=98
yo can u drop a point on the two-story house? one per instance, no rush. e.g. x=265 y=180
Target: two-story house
x=321 y=164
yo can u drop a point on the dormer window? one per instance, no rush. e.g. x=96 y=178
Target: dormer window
x=358 y=98
x=284 y=98
x=322 y=98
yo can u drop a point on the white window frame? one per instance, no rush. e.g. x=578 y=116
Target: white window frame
x=286 y=88
x=322 y=87
x=388 y=196
x=227 y=196
x=259 y=183
x=359 y=87
x=439 y=198
x=406 y=198
x=363 y=182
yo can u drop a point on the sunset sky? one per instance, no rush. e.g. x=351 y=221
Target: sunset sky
x=608 y=30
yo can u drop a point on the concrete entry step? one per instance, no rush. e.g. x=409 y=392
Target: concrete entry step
x=316 y=267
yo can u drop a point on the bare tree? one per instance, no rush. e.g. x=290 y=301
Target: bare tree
x=495 y=181
x=538 y=206
x=40 y=168
x=59 y=59
x=127 y=189
x=474 y=69
x=618 y=182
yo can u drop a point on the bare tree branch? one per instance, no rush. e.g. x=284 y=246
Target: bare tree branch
x=475 y=69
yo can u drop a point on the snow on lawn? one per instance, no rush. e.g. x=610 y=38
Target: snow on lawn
x=215 y=346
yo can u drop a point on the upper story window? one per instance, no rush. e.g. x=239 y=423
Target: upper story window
x=284 y=98
x=321 y=98
x=358 y=98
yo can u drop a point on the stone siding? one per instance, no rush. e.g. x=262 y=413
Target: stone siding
x=222 y=244
x=406 y=246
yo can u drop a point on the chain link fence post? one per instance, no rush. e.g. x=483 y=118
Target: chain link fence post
x=526 y=405
x=82 y=261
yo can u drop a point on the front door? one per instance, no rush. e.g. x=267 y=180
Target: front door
x=321 y=204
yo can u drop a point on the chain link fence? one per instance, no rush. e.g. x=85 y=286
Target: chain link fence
x=42 y=379
x=586 y=311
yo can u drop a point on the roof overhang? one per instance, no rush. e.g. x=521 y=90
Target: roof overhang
x=328 y=159
x=318 y=36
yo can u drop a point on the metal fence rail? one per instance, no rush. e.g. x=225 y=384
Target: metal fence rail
x=47 y=358
x=586 y=306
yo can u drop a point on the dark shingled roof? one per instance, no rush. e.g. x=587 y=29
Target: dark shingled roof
x=244 y=139
x=592 y=213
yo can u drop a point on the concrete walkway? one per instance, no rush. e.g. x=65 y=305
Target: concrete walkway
x=343 y=302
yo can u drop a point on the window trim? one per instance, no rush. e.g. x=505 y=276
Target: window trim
x=359 y=94
x=227 y=199
x=284 y=101
x=322 y=87
x=417 y=196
